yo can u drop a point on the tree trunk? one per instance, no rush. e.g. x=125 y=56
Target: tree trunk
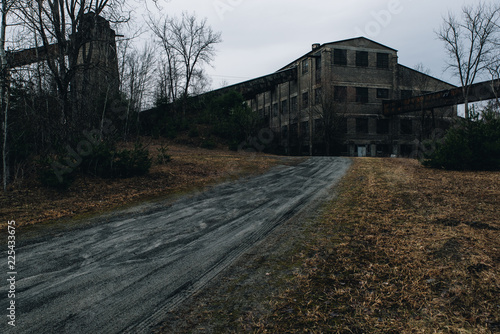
x=5 y=105
x=103 y=115
x=4 y=91
x=467 y=114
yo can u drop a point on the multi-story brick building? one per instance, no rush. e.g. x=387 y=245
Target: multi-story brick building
x=345 y=83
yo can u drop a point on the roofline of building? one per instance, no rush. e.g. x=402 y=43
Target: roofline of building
x=360 y=37
x=332 y=43
x=430 y=76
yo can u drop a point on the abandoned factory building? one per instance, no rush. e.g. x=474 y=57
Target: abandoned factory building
x=330 y=101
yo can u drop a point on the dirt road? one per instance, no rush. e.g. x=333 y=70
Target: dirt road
x=123 y=274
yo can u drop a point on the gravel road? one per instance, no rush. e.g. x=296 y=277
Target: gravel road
x=123 y=274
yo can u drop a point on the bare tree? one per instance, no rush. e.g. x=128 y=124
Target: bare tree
x=470 y=41
x=3 y=87
x=422 y=80
x=6 y=7
x=188 y=42
x=57 y=23
x=170 y=74
x=330 y=108
x=495 y=80
x=164 y=87
x=200 y=83
x=138 y=76
x=494 y=71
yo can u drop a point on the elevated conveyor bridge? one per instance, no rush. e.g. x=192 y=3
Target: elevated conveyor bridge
x=482 y=91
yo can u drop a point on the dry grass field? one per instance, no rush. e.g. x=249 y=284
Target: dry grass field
x=402 y=249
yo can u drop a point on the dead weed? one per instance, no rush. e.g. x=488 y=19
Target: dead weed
x=404 y=249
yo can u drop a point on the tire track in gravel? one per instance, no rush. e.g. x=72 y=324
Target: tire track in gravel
x=124 y=274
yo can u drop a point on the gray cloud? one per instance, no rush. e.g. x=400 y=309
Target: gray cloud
x=260 y=36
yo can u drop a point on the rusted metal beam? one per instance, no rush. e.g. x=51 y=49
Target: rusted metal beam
x=482 y=91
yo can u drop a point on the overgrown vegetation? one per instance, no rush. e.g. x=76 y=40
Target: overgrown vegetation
x=87 y=84
x=163 y=157
x=104 y=161
x=59 y=157
x=39 y=136
x=226 y=117
x=230 y=117
x=472 y=144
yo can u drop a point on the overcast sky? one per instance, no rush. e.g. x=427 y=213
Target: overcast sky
x=261 y=36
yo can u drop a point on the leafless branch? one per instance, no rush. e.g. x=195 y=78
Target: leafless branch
x=470 y=41
x=188 y=42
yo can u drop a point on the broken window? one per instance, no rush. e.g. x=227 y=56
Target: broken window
x=284 y=131
x=362 y=58
x=318 y=125
x=305 y=100
x=362 y=94
x=317 y=96
x=382 y=93
x=304 y=128
x=406 y=127
x=294 y=105
x=318 y=69
x=382 y=126
x=361 y=125
x=340 y=94
x=284 y=106
x=305 y=66
x=294 y=132
x=341 y=125
x=382 y=60
x=339 y=57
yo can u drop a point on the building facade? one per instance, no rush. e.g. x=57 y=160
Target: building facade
x=336 y=97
